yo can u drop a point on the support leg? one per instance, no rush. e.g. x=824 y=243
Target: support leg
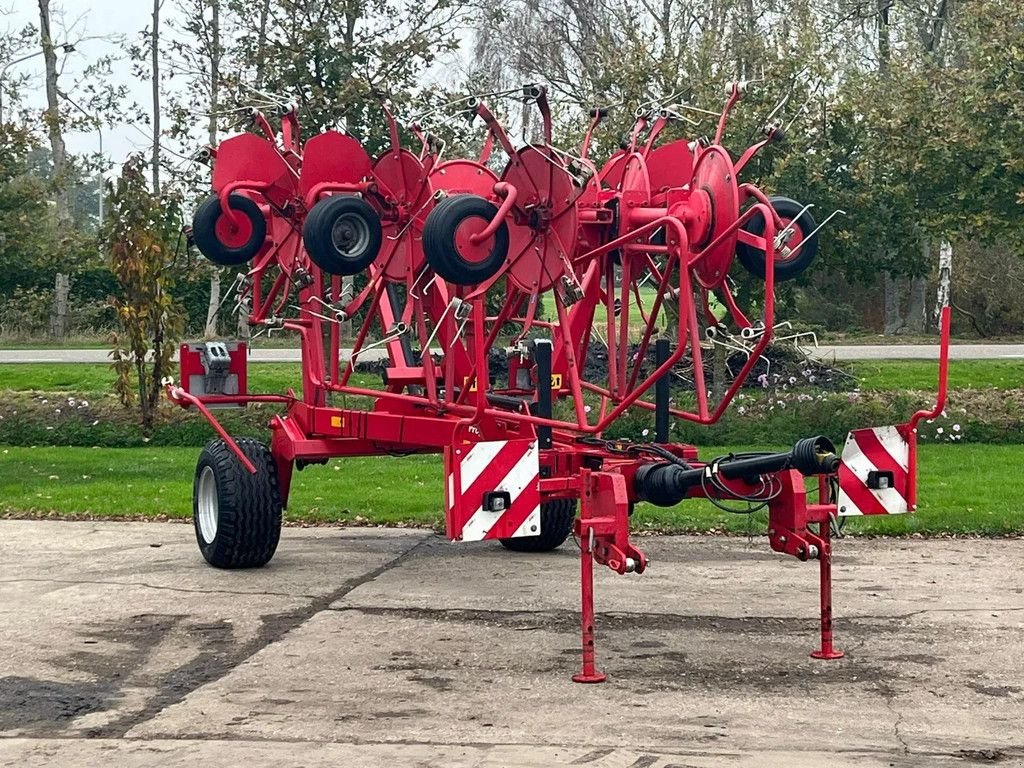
x=589 y=673
x=826 y=651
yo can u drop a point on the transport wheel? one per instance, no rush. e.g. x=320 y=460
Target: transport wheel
x=224 y=241
x=342 y=235
x=556 y=519
x=237 y=515
x=786 y=268
x=446 y=240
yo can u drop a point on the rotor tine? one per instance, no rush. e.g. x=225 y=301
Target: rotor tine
x=817 y=229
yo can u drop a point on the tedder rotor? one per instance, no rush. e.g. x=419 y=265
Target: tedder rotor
x=454 y=262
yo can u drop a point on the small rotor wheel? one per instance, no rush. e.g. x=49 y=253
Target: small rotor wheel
x=449 y=241
x=342 y=235
x=796 y=255
x=229 y=240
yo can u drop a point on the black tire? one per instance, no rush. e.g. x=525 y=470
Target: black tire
x=441 y=249
x=556 y=519
x=753 y=259
x=204 y=231
x=246 y=509
x=342 y=235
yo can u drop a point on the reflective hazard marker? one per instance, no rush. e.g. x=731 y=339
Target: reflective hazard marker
x=492 y=490
x=873 y=478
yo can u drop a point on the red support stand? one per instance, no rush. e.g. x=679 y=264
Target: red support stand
x=826 y=651
x=589 y=673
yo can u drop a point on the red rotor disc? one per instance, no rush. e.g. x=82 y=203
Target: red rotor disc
x=715 y=175
x=670 y=165
x=464 y=177
x=611 y=172
x=542 y=231
x=404 y=183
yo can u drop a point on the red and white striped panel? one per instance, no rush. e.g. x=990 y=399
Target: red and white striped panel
x=475 y=470
x=879 y=449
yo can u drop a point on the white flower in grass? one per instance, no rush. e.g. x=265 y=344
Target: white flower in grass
x=956 y=427
x=939 y=431
x=646 y=432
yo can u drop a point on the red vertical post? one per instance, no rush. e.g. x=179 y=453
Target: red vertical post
x=589 y=673
x=826 y=651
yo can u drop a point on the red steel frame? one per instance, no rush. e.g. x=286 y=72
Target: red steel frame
x=663 y=229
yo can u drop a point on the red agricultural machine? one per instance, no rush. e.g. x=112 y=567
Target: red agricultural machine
x=455 y=261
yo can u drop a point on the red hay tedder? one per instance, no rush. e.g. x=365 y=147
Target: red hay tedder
x=434 y=239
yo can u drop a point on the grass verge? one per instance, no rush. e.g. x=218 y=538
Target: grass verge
x=891 y=375
x=92 y=379
x=964 y=489
x=873 y=375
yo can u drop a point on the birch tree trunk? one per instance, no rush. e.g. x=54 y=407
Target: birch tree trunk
x=945 y=273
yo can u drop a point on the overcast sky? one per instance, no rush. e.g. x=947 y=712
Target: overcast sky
x=95 y=19
x=106 y=28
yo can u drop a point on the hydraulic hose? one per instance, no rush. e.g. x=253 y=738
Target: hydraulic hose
x=666 y=484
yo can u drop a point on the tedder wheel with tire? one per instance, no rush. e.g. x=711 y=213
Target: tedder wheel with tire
x=556 y=519
x=787 y=267
x=237 y=514
x=448 y=240
x=342 y=235
x=229 y=241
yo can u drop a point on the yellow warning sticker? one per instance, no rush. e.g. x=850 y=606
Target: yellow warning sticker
x=337 y=422
x=556 y=381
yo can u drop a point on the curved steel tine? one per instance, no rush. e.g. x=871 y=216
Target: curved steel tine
x=817 y=229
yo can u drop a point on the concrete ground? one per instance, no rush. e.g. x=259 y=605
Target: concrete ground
x=118 y=645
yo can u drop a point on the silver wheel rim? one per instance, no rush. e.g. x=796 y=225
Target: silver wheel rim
x=206 y=502
x=350 y=235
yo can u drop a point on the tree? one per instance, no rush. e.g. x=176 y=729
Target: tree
x=140 y=229
x=154 y=39
x=62 y=282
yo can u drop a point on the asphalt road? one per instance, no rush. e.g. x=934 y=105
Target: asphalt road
x=848 y=352
x=375 y=647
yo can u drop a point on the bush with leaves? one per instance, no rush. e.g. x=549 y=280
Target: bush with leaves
x=139 y=238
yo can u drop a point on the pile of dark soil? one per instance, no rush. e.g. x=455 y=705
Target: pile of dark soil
x=782 y=366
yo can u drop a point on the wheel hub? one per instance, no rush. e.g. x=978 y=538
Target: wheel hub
x=350 y=234
x=206 y=497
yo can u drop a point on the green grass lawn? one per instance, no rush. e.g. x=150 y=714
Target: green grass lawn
x=880 y=375
x=963 y=489
x=923 y=374
x=98 y=378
